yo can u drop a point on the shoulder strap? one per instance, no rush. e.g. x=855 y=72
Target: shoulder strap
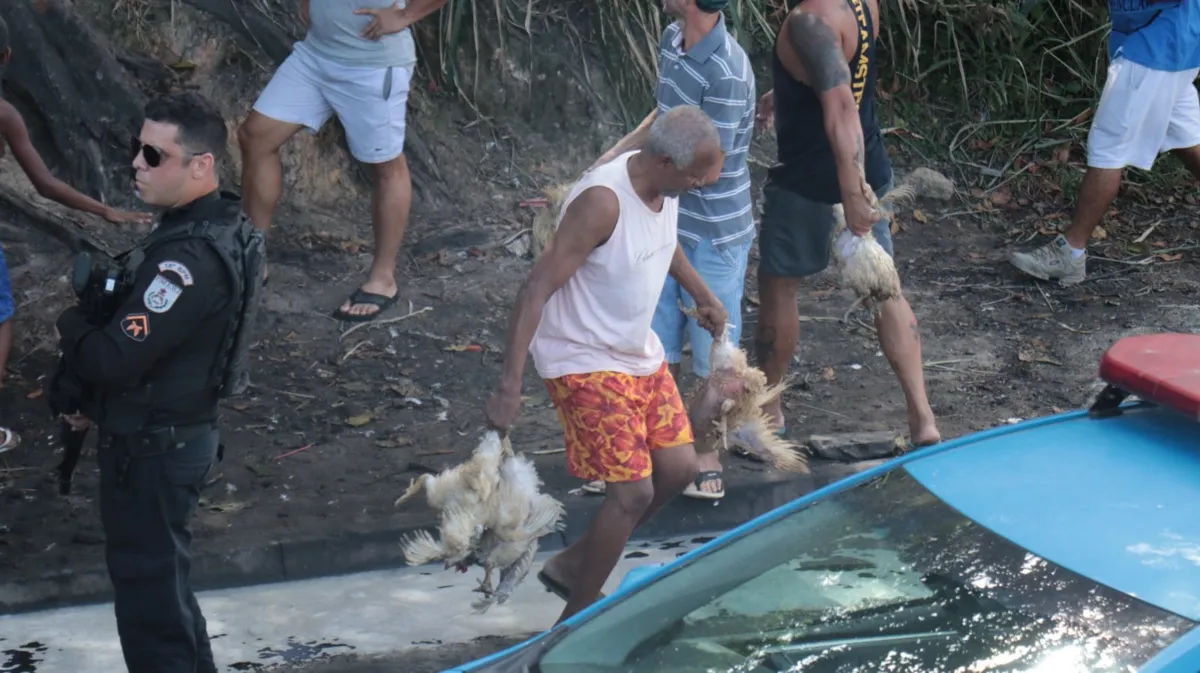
x=860 y=63
x=206 y=232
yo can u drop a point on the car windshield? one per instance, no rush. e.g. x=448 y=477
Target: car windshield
x=882 y=577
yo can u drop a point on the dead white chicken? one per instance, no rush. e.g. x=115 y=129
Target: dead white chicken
x=462 y=494
x=518 y=515
x=546 y=219
x=726 y=408
x=865 y=266
x=492 y=514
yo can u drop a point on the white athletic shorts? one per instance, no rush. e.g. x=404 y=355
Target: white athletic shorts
x=1142 y=113
x=308 y=89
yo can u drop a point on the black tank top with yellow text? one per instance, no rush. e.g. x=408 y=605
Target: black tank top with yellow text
x=806 y=163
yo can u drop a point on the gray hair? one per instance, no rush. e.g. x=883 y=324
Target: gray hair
x=678 y=132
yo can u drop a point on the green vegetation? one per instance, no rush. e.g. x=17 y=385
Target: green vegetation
x=1004 y=89
x=1003 y=85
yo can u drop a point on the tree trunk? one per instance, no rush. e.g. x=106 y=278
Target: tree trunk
x=78 y=101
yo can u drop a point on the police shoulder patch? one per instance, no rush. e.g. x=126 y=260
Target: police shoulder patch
x=136 y=326
x=161 y=294
x=185 y=275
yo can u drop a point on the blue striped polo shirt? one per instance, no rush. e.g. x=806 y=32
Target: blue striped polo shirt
x=714 y=75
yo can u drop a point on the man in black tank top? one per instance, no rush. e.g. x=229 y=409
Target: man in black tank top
x=824 y=70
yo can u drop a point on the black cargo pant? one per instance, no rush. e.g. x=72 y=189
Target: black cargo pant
x=149 y=487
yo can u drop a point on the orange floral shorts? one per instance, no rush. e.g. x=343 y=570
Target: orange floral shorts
x=612 y=422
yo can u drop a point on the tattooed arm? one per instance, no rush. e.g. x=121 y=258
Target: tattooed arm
x=819 y=49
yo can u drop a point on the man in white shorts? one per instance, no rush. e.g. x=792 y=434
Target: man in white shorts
x=356 y=62
x=1149 y=106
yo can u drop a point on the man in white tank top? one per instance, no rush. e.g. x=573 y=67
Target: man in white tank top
x=585 y=314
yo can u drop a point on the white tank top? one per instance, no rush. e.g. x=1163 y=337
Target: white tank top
x=600 y=319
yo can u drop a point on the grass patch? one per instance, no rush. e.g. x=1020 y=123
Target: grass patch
x=1002 y=89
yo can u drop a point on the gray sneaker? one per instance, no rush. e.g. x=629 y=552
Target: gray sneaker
x=1052 y=261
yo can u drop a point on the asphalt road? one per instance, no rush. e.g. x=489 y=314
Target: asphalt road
x=424 y=660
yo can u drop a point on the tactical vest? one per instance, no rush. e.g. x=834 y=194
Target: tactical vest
x=242 y=248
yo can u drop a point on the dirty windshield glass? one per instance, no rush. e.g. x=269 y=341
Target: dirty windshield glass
x=881 y=578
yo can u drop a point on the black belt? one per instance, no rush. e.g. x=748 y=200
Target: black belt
x=151 y=442
x=156 y=440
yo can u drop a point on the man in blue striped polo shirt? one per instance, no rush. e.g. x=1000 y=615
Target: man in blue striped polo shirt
x=700 y=64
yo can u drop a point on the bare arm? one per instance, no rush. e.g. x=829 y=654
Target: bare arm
x=689 y=279
x=710 y=314
x=419 y=9
x=632 y=140
x=820 y=51
x=14 y=131
x=587 y=223
x=394 y=19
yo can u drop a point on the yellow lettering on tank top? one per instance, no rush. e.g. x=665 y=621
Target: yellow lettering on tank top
x=858 y=83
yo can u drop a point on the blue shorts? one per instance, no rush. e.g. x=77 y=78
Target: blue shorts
x=7 y=307
x=796 y=234
x=724 y=271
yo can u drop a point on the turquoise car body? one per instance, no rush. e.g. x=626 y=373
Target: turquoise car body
x=1113 y=497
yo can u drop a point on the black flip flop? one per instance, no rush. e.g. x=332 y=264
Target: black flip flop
x=360 y=296
x=558 y=588
x=700 y=494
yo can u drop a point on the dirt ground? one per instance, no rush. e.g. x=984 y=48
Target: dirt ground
x=340 y=420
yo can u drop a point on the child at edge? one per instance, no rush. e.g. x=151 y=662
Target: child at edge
x=15 y=135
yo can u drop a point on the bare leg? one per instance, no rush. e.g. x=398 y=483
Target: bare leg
x=584 y=566
x=6 y=339
x=1096 y=194
x=901 y=341
x=391 y=200
x=1190 y=156
x=777 y=332
x=705 y=462
x=602 y=545
x=260 y=138
x=1065 y=258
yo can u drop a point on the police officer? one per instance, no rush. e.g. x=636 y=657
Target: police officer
x=156 y=370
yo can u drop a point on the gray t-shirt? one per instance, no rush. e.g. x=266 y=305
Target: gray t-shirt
x=335 y=33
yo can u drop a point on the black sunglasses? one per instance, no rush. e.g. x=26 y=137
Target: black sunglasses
x=152 y=154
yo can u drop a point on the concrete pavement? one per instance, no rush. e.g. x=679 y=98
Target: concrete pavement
x=301 y=626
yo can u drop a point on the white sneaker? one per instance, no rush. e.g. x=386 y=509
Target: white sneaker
x=1053 y=261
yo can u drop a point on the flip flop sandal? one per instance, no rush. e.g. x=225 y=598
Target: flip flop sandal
x=597 y=487
x=558 y=588
x=693 y=490
x=11 y=440
x=360 y=296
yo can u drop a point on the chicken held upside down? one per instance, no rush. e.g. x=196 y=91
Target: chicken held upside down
x=491 y=515
x=727 y=408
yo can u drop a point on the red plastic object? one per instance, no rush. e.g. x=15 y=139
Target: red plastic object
x=1159 y=368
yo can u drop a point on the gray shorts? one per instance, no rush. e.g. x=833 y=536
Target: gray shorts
x=795 y=234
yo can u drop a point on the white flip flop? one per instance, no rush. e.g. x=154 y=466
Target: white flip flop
x=11 y=440
x=596 y=487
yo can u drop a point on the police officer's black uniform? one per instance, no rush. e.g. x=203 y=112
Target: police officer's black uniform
x=155 y=374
